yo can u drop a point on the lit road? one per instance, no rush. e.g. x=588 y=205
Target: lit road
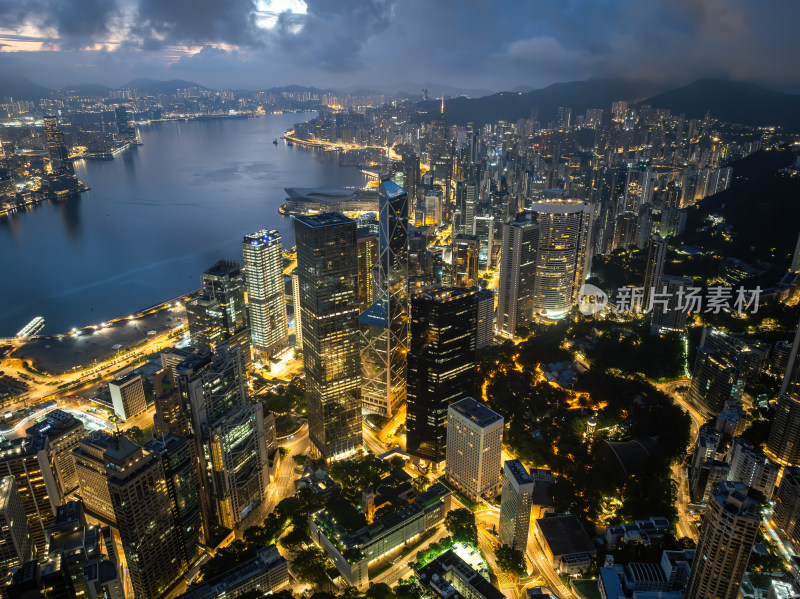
x=402 y=569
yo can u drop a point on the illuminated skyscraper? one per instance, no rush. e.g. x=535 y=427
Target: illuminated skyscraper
x=515 y=505
x=266 y=304
x=327 y=268
x=16 y=545
x=517 y=273
x=654 y=268
x=783 y=442
x=466 y=199
x=791 y=380
x=298 y=318
x=61 y=181
x=229 y=435
x=730 y=526
x=441 y=364
x=147 y=531
x=384 y=325
x=219 y=315
x=367 y=257
x=125 y=128
x=464 y=269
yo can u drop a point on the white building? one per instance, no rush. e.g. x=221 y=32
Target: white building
x=751 y=468
x=266 y=304
x=474 y=444
x=127 y=395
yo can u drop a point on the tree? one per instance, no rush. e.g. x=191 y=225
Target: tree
x=461 y=524
x=133 y=434
x=420 y=483
x=510 y=559
x=309 y=566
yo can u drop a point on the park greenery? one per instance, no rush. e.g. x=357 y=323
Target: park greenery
x=547 y=425
x=510 y=559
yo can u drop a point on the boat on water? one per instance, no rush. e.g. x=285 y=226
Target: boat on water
x=275 y=141
x=289 y=142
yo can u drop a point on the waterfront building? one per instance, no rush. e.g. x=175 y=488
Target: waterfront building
x=441 y=364
x=515 y=505
x=61 y=181
x=730 y=526
x=127 y=395
x=328 y=275
x=474 y=446
x=266 y=303
x=385 y=324
x=219 y=314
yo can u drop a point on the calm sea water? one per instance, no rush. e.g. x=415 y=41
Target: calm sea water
x=155 y=218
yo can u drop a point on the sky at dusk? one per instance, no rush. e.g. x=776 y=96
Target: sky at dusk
x=399 y=45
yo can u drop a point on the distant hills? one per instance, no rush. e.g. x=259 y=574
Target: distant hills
x=732 y=101
x=19 y=87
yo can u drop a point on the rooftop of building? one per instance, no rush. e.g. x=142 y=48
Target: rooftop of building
x=54 y=423
x=445 y=294
x=432 y=573
x=392 y=189
x=22 y=447
x=126 y=378
x=326 y=219
x=223 y=268
x=518 y=471
x=564 y=534
x=561 y=207
x=475 y=412
x=327 y=195
x=262 y=236
x=6 y=487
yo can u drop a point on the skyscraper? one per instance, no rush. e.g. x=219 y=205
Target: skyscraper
x=474 y=447
x=485 y=334
x=791 y=380
x=146 y=527
x=229 y=435
x=16 y=544
x=787 y=504
x=795 y=266
x=61 y=181
x=783 y=442
x=654 y=268
x=125 y=128
x=384 y=325
x=266 y=304
x=27 y=460
x=219 y=315
x=466 y=199
x=464 y=269
x=63 y=432
x=441 y=364
x=729 y=531
x=298 y=318
x=515 y=505
x=328 y=274
x=667 y=316
x=170 y=416
x=177 y=455
x=367 y=257
x=719 y=371
x=517 y=273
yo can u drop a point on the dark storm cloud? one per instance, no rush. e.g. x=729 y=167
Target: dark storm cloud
x=332 y=34
x=75 y=23
x=467 y=43
x=169 y=22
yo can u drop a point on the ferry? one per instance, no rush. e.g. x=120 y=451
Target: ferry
x=33 y=327
x=275 y=141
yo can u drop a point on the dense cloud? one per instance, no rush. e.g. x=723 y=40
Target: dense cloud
x=380 y=43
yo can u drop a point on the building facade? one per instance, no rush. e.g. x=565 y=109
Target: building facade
x=266 y=302
x=515 y=505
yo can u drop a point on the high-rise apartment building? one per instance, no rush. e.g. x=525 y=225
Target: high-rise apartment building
x=791 y=380
x=90 y=468
x=327 y=267
x=141 y=504
x=720 y=369
x=783 y=443
x=787 y=505
x=474 y=446
x=752 y=468
x=654 y=268
x=485 y=331
x=464 y=268
x=730 y=526
x=441 y=365
x=466 y=200
x=16 y=544
x=229 y=435
x=219 y=315
x=27 y=459
x=266 y=303
x=667 y=315
x=63 y=432
x=177 y=455
x=384 y=325
x=515 y=505
x=127 y=395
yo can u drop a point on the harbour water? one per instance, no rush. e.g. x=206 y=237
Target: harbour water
x=156 y=217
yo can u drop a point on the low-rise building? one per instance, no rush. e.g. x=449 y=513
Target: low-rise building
x=450 y=577
x=567 y=546
x=352 y=553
